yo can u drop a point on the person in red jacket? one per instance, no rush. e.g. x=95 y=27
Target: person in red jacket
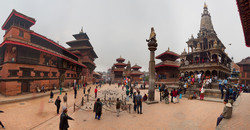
x=96 y=92
x=174 y=95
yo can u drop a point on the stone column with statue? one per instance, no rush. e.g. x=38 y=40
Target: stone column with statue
x=152 y=46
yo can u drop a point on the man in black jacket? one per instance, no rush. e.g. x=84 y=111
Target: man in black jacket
x=98 y=109
x=64 y=125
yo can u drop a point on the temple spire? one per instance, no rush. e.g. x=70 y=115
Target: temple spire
x=206 y=25
x=205 y=5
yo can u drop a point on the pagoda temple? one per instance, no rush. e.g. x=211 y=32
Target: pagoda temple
x=118 y=70
x=84 y=50
x=29 y=60
x=135 y=73
x=167 y=70
x=207 y=54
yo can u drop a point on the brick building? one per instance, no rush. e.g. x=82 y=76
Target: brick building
x=29 y=60
x=244 y=71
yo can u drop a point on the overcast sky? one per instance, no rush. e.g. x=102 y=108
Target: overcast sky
x=120 y=27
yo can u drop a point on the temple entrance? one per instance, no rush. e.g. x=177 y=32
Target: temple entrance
x=214 y=73
x=25 y=86
x=61 y=78
x=207 y=73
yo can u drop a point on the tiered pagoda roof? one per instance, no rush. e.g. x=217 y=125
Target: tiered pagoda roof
x=136 y=67
x=168 y=63
x=82 y=44
x=168 y=55
x=168 y=59
x=119 y=66
x=18 y=19
x=120 y=60
x=135 y=70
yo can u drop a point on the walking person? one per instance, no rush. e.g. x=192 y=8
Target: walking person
x=118 y=106
x=89 y=90
x=172 y=91
x=174 y=95
x=1 y=122
x=98 y=109
x=202 y=93
x=138 y=101
x=84 y=89
x=221 y=87
x=96 y=92
x=65 y=98
x=165 y=96
x=178 y=95
x=134 y=96
x=51 y=96
x=131 y=91
x=58 y=103
x=75 y=90
x=64 y=125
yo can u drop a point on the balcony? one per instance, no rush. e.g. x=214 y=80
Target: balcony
x=206 y=64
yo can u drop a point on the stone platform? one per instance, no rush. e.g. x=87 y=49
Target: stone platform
x=240 y=117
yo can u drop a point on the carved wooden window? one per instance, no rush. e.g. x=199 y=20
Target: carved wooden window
x=243 y=75
x=67 y=74
x=45 y=74
x=248 y=74
x=54 y=74
x=21 y=34
x=13 y=73
x=37 y=73
x=46 y=60
x=26 y=72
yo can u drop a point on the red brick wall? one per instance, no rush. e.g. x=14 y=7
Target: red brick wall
x=12 y=88
x=13 y=32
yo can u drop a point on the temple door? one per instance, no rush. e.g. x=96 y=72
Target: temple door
x=25 y=86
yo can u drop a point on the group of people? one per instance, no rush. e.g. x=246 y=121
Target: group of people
x=176 y=94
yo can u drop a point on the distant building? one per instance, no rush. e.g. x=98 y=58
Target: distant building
x=135 y=74
x=235 y=73
x=167 y=70
x=244 y=71
x=206 y=53
x=118 y=70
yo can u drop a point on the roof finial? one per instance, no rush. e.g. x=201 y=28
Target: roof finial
x=168 y=49
x=81 y=30
x=205 y=5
